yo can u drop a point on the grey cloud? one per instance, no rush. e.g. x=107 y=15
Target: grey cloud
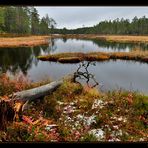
x=73 y=17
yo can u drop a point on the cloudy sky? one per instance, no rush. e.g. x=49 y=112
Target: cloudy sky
x=75 y=17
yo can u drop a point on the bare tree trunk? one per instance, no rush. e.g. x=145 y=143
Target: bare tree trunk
x=12 y=108
x=7 y=114
x=37 y=92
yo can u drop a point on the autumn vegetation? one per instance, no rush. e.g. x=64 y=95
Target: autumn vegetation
x=15 y=40
x=76 y=112
x=73 y=112
x=24 y=41
x=136 y=55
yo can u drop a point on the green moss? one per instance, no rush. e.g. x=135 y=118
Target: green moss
x=89 y=138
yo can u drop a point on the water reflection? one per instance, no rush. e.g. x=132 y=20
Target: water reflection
x=19 y=59
x=111 y=74
x=114 y=46
x=22 y=59
x=124 y=74
x=64 y=39
x=87 y=45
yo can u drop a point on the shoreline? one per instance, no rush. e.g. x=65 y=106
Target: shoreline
x=108 y=38
x=23 y=41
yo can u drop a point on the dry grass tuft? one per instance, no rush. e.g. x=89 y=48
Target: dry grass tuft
x=69 y=60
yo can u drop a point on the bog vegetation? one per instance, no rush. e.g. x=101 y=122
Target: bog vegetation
x=77 y=113
x=136 y=55
x=73 y=112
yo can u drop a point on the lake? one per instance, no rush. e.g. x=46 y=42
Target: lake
x=127 y=75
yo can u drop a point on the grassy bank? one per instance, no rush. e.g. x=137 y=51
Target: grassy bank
x=80 y=113
x=14 y=41
x=110 y=38
x=136 y=55
x=23 y=41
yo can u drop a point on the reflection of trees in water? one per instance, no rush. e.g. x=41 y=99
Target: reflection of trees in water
x=14 y=59
x=119 y=46
x=22 y=58
x=143 y=46
x=36 y=51
x=49 y=48
x=53 y=46
x=64 y=39
x=44 y=48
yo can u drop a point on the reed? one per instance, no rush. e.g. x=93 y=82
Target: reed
x=96 y=56
x=23 y=41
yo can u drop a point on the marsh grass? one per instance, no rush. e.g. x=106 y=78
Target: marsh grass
x=136 y=55
x=23 y=41
x=13 y=40
x=69 y=60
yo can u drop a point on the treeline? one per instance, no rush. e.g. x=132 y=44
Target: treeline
x=138 y=26
x=24 y=20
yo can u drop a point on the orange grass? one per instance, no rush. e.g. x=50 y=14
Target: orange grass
x=70 y=60
x=41 y=40
x=96 y=56
x=23 y=41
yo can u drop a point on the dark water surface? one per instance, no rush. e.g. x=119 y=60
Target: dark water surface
x=127 y=75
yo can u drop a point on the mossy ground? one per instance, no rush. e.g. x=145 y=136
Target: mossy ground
x=80 y=113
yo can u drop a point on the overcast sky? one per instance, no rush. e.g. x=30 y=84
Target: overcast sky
x=75 y=17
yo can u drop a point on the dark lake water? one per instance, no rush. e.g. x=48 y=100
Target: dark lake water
x=127 y=75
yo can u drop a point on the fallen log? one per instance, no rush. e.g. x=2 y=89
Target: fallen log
x=37 y=92
x=13 y=107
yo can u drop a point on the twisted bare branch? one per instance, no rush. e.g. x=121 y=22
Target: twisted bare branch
x=85 y=74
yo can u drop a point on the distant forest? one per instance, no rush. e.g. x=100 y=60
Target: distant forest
x=26 y=20
x=138 y=26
